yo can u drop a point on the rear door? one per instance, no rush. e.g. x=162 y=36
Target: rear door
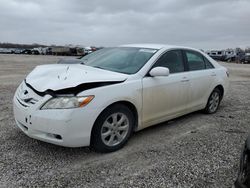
x=166 y=97
x=201 y=74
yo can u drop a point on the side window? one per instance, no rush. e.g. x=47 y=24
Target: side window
x=172 y=60
x=208 y=64
x=195 y=61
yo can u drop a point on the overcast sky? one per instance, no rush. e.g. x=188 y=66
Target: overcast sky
x=197 y=23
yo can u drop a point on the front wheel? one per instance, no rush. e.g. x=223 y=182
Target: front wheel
x=112 y=128
x=213 y=101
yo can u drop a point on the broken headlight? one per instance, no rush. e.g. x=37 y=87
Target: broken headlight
x=67 y=102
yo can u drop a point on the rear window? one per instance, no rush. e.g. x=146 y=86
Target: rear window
x=195 y=61
x=208 y=64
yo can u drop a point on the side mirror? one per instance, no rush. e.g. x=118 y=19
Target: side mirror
x=159 y=71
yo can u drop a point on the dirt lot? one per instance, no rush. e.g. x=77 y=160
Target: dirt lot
x=196 y=150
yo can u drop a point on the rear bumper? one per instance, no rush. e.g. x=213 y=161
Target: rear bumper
x=69 y=128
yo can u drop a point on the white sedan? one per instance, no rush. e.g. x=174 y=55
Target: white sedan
x=116 y=91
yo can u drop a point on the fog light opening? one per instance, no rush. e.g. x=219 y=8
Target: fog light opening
x=55 y=136
x=58 y=137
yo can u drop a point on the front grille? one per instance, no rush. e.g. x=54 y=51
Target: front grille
x=24 y=105
x=26 y=97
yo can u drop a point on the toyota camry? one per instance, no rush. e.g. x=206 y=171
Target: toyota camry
x=101 y=100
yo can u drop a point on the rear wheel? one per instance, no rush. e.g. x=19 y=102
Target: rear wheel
x=112 y=128
x=213 y=101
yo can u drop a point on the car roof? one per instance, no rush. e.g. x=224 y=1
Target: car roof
x=166 y=47
x=156 y=46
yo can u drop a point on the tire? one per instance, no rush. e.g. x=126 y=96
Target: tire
x=213 y=102
x=244 y=173
x=112 y=129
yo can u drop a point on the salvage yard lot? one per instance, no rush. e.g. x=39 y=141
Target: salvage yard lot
x=196 y=150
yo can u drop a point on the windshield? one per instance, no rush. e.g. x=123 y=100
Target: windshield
x=93 y=55
x=128 y=60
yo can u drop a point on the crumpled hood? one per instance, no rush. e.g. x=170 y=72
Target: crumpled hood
x=61 y=76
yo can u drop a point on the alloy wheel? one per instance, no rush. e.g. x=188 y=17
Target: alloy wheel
x=214 y=102
x=115 y=129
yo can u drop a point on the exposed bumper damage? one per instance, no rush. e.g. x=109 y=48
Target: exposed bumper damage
x=72 y=90
x=70 y=128
x=65 y=127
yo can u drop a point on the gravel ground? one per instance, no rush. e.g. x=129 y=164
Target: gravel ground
x=196 y=150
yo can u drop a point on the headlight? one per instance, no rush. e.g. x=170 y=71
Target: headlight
x=67 y=102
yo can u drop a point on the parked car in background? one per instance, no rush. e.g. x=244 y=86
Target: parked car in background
x=88 y=50
x=26 y=51
x=247 y=57
x=49 y=51
x=102 y=101
x=217 y=54
x=36 y=51
x=228 y=55
x=83 y=59
x=17 y=51
x=6 y=50
x=243 y=179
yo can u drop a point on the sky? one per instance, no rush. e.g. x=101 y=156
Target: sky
x=203 y=24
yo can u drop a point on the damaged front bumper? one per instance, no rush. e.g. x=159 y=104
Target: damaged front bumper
x=65 y=127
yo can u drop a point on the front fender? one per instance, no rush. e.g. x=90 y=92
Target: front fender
x=128 y=91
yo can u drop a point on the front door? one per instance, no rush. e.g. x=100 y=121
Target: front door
x=165 y=97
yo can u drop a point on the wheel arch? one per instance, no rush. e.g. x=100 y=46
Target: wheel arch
x=221 y=88
x=126 y=103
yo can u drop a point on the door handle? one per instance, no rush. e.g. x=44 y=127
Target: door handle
x=213 y=74
x=184 y=79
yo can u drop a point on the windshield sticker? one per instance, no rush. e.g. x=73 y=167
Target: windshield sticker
x=147 y=50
